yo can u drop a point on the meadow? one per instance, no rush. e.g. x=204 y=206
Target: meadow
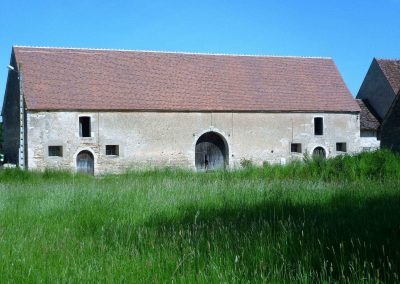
x=335 y=220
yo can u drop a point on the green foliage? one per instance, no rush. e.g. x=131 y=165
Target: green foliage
x=246 y=164
x=314 y=221
x=379 y=165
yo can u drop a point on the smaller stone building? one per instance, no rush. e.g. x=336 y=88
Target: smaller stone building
x=379 y=95
x=369 y=127
x=381 y=85
x=390 y=136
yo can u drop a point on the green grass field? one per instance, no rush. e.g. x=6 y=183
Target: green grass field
x=316 y=221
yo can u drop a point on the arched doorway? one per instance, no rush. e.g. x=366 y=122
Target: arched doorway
x=319 y=152
x=211 y=152
x=85 y=162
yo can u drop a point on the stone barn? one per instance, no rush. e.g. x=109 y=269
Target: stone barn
x=101 y=111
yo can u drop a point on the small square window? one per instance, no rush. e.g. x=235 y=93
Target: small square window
x=295 y=148
x=341 y=147
x=318 y=126
x=55 y=151
x=112 y=150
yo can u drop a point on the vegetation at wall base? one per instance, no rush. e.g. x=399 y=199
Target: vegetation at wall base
x=314 y=221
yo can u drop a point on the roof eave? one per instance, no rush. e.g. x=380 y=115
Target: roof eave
x=191 y=110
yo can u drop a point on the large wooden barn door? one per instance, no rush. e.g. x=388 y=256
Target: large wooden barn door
x=211 y=152
x=319 y=152
x=85 y=162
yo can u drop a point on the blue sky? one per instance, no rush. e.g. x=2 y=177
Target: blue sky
x=351 y=32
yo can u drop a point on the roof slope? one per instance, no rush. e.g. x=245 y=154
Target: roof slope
x=90 y=79
x=368 y=120
x=390 y=133
x=391 y=69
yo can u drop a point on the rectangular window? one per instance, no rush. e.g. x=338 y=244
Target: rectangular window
x=55 y=151
x=318 y=126
x=112 y=150
x=295 y=148
x=84 y=126
x=341 y=147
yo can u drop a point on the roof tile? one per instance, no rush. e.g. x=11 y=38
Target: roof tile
x=391 y=69
x=85 y=79
x=368 y=120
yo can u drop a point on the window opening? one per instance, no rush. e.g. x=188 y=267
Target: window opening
x=112 y=150
x=55 y=151
x=84 y=126
x=295 y=148
x=341 y=147
x=318 y=126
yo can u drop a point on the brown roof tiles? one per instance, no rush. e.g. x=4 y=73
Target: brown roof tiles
x=368 y=119
x=391 y=69
x=90 y=79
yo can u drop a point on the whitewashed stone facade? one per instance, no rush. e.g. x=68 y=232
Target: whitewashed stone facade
x=157 y=139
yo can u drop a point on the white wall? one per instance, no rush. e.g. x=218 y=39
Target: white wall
x=149 y=139
x=369 y=141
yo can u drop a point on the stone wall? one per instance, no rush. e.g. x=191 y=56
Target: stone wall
x=148 y=139
x=369 y=140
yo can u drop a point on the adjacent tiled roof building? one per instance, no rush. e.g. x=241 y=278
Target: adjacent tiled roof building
x=91 y=79
x=391 y=127
x=380 y=85
x=368 y=119
x=391 y=69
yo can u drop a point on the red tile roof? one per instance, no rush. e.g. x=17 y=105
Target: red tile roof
x=368 y=119
x=91 y=79
x=391 y=69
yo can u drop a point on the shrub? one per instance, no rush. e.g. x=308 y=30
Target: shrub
x=246 y=164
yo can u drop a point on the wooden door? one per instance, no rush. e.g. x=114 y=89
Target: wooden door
x=210 y=152
x=319 y=152
x=85 y=162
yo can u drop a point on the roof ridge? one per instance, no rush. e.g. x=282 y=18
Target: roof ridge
x=170 y=52
x=387 y=59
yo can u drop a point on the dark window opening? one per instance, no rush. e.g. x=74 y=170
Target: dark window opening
x=318 y=126
x=84 y=126
x=112 y=150
x=369 y=133
x=295 y=148
x=341 y=147
x=55 y=151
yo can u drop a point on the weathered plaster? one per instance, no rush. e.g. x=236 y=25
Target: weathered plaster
x=369 y=140
x=154 y=139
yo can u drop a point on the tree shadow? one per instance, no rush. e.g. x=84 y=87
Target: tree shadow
x=343 y=238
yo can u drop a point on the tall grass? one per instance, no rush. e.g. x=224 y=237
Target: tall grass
x=317 y=221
